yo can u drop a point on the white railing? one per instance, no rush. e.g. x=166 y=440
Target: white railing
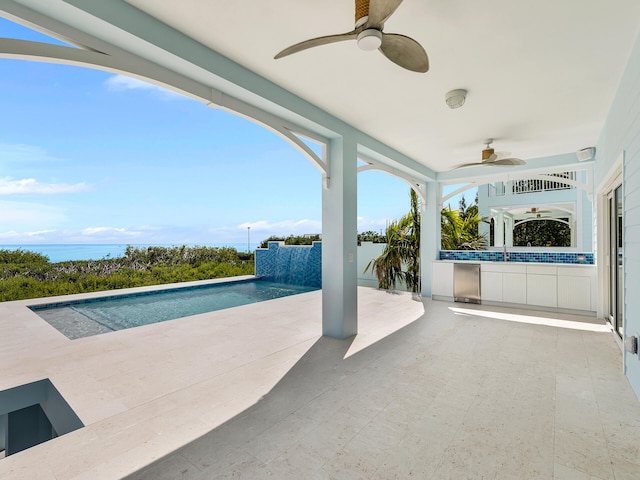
x=537 y=185
x=533 y=185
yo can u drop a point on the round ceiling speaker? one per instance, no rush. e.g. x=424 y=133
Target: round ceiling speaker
x=455 y=98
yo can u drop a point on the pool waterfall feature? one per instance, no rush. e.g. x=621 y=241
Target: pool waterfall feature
x=291 y=264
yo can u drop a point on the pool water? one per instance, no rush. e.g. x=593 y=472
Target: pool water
x=84 y=318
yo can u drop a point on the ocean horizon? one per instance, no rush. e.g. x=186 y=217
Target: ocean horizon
x=63 y=252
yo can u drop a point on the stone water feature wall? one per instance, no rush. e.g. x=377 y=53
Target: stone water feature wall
x=292 y=264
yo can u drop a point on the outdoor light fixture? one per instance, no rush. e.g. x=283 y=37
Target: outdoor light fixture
x=455 y=98
x=631 y=344
x=586 y=153
x=370 y=39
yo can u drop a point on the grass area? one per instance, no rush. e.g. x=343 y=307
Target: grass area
x=25 y=274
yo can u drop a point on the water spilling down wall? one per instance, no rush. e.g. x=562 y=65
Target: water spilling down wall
x=292 y=264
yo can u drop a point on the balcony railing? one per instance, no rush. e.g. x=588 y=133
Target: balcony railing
x=533 y=185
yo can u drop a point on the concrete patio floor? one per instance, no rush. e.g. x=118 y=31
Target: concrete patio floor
x=427 y=390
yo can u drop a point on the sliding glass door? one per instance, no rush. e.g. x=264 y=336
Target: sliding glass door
x=615 y=260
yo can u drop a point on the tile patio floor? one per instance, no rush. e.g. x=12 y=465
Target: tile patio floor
x=428 y=390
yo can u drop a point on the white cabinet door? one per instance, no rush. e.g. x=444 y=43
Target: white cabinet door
x=542 y=290
x=442 y=279
x=491 y=286
x=574 y=292
x=514 y=287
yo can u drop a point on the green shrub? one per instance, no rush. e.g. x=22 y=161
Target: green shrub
x=30 y=275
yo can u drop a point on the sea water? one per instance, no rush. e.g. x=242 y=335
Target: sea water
x=69 y=251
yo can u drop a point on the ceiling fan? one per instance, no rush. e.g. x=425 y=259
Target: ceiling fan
x=370 y=18
x=536 y=211
x=490 y=158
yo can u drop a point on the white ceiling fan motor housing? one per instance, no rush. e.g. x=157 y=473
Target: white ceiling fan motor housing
x=369 y=39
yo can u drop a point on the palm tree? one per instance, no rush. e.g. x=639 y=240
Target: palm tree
x=461 y=233
x=400 y=260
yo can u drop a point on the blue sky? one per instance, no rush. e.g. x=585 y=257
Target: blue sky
x=91 y=157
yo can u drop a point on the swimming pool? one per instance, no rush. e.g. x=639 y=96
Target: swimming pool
x=84 y=318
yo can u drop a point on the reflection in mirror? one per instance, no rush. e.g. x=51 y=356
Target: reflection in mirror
x=545 y=211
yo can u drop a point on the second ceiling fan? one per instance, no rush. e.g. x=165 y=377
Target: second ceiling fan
x=368 y=31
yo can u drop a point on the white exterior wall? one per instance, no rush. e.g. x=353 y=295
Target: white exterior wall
x=367 y=251
x=621 y=135
x=585 y=227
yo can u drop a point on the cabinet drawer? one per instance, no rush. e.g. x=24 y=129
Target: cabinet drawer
x=542 y=269
x=577 y=271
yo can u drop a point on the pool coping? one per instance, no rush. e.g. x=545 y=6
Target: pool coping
x=76 y=319
x=128 y=386
x=144 y=392
x=43 y=301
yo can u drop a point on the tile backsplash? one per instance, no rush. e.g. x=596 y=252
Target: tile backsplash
x=522 y=257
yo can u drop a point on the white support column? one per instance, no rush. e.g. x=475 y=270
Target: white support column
x=429 y=236
x=498 y=230
x=484 y=211
x=508 y=234
x=340 y=242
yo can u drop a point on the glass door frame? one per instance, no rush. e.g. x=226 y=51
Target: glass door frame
x=614 y=243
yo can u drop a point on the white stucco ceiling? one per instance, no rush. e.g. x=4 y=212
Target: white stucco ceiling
x=541 y=75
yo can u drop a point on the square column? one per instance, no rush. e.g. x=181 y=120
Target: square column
x=340 y=242
x=429 y=236
x=508 y=232
x=498 y=230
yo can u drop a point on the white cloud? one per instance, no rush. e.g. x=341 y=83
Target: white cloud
x=119 y=83
x=110 y=232
x=39 y=233
x=41 y=236
x=9 y=234
x=32 y=186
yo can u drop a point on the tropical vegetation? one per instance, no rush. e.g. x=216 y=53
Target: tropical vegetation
x=25 y=274
x=400 y=260
x=371 y=236
x=368 y=236
x=542 y=233
x=292 y=240
x=459 y=228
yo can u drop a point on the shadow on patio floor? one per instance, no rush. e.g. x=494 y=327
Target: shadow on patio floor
x=446 y=396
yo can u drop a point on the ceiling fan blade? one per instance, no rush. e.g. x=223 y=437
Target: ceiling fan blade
x=380 y=11
x=501 y=155
x=316 y=42
x=404 y=51
x=465 y=165
x=507 y=162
